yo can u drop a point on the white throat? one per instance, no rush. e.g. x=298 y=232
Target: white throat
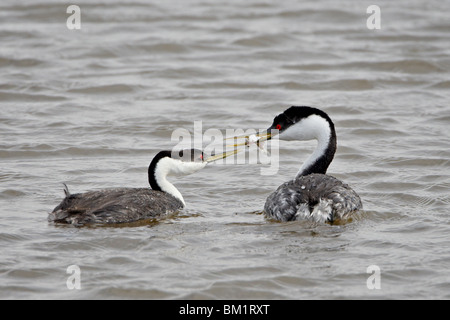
x=168 y=166
x=313 y=127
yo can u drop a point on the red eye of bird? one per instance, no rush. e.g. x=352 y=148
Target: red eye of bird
x=278 y=126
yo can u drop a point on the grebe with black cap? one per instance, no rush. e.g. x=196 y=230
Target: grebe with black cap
x=311 y=195
x=124 y=205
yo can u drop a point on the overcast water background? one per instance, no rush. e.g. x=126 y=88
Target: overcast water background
x=91 y=107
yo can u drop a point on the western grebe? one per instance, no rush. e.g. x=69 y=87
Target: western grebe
x=312 y=194
x=124 y=205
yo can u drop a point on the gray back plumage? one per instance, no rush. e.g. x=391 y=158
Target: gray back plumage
x=111 y=206
x=317 y=197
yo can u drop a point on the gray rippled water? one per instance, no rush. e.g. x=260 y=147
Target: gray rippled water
x=91 y=107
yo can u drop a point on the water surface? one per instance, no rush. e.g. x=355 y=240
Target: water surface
x=91 y=107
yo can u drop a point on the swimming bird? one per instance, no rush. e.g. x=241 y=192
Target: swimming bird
x=124 y=205
x=312 y=194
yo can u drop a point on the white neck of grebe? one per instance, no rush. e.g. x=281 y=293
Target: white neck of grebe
x=314 y=127
x=168 y=166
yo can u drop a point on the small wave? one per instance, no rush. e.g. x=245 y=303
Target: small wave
x=378 y=132
x=20 y=63
x=445 y=119
x=164 y=48
x=267 y=40
x=328 y=15
x=345 y=84
x=416 y=162
x=131 y=292
x=28 y=97
x=441 y=85
x=412 y=66
x=36 y=153
x=11 y=193
x=105 y=89
x=12 y=237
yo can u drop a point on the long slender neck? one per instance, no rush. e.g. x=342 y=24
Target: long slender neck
x=322 y=156
x=158 y=170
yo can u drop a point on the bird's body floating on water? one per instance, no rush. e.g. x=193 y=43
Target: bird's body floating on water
x=125 y=205
x=311 y=195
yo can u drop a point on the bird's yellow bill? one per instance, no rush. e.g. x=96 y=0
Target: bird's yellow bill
x=221 y=155
x=250 y=139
